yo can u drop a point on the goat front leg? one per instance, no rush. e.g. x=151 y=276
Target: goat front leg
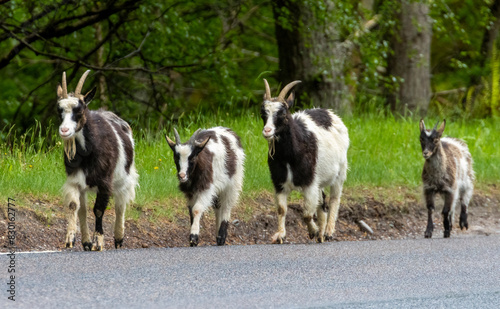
x=448 y=203
x=120 y=208
x=429 y=201
x=281 y=204
x=333 y=210
x=101 y=203
x=72 y=201
x=322 y=217
x=195 y=213
x=84 y=228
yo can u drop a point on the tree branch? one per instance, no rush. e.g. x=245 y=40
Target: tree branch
x=49 y=32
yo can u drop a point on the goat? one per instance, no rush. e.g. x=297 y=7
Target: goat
x=98 y=156
x=447 y=171
x=307 y=152
x=210 y=172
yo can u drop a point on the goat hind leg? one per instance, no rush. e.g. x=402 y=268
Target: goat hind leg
x=311 y=201
x=464 y=205
x=227 y=202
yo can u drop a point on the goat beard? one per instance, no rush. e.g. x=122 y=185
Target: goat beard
x=272 y=147
x=70 y=148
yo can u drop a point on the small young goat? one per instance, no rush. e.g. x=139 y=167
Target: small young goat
x=447 y=171
x=210 y=172
x=98 y=155
x=307 y=152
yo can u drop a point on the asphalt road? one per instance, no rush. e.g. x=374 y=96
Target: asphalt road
x=437 y=273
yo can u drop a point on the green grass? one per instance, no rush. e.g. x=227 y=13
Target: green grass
x=383 y=152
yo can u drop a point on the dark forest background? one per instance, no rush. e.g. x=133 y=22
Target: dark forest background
x=152 y=61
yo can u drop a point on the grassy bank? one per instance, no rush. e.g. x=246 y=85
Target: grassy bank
x=383 y=152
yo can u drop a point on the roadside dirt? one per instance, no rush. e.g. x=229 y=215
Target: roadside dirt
x=390 y=218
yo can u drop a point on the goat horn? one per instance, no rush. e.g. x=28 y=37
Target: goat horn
x=64 y=86
x=192 y=140
x=267 y=96
x=287 y=88
x=177 y=138
x=79 y=87
x=436 y=125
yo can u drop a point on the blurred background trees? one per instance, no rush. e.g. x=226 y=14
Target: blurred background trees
x=154 y=60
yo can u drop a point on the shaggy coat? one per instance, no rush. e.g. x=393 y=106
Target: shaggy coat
x=447 y=171
x=98 y=156
x=210 y=172
x=307 y=152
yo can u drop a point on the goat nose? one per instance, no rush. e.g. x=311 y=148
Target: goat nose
x=267 y=130
x=64 y=130
x=182 y=175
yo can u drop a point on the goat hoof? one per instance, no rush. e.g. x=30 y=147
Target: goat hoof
x=193 y=240
x=87 y=246
x=221 y=241
x=279 y=237
x=463 y=222
x=118 y=243
x=428 y=233
x=320 y=239
x=446 y=234
x=98 y=242
x=70 y=240
x=313 y=235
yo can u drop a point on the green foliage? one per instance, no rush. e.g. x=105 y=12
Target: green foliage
x=185 y=52
x=166 y=58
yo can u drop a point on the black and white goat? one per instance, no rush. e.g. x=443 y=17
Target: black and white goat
x=307 y=152
x=447 y=171
x=98 y=155
x=210 y=173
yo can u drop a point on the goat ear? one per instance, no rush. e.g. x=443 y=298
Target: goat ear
x=170 y=142
x=290 y=100
x=199 y=146
x=59 y=91
x=89 y=96
x=422 y=125
x=441 y=128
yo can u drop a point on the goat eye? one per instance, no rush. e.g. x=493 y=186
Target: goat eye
x=436 y=141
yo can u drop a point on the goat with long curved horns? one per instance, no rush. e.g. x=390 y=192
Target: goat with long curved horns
x=307 y=152
x=98 y=156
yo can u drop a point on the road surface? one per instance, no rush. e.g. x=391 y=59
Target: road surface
x=423 y=273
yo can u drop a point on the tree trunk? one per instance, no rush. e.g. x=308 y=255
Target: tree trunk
x=409 y=64
x=310 y=50
x=489 y=39
x=100 y=62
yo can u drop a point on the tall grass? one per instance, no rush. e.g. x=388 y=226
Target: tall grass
x=384 y=151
